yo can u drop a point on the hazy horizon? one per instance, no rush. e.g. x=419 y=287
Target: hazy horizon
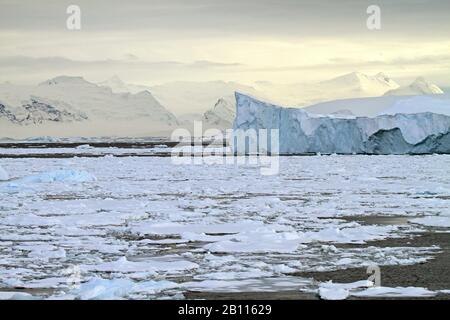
x=287 y=41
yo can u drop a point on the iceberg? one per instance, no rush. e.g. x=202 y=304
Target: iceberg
x=302 y=132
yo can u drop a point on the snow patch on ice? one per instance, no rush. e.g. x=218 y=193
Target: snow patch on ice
x=13 y=295
x=358 y=234
x=394 y=292
x=364 y=288
x=339 y=291
x=3 y=174
x=433 y=221
x=159 y=264
x=99 y=288
x=59 y=176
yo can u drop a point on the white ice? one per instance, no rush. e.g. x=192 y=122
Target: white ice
x=3 y=174
x=145 y=219
x=364 y=288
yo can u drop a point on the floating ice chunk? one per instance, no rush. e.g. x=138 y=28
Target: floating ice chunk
x=98 y=288
x=166 y=264
x=84 y=146
x=248 y=285
x=53 y=282
x=260 y=240
x=358 y=234
x=59 y=176
x=395 y=292
x=171 y=228
x=333 y=293
x=104 y=289
x=48 y=254
x=14 y=295
x=365 y=288
x=433 y=221
x=339 y=291
x=231 y=275
x=3 y=174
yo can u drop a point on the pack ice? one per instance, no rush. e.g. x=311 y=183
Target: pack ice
x=3 y=174
x=303 y=132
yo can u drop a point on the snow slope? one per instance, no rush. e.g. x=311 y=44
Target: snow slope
x=352 y=85
x=387 y=104
x=222 y=115
x=360 y=84
x=419 y=87
x=118 y=86
x=65 y=106
x=301 y=132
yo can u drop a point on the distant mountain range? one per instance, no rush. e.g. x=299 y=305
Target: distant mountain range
x=351 y=94
x=419 y=87
x=72 y=106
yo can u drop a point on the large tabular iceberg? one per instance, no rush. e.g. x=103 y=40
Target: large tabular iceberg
x=302 y=132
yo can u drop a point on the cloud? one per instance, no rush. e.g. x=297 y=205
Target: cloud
x=25 y=62
x=212 y=64
x=176 y=18
x=353 y=64
x=33 y=69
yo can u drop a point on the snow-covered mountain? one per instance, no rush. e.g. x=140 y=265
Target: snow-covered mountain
x=73 y=106
x=118 y=86
x=361 y=85
x=420 y=86
x=301 y=132
x=222 y=115
x=352 y=85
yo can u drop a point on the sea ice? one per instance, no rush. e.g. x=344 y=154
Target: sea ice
x=13 y=295
x=99 y=288
x=67 y=175
x=160 y=264
x=339 y=291
x=365 y=288
x=3 y=174
x=394 y=292
x=433 y=221
x=169 y=221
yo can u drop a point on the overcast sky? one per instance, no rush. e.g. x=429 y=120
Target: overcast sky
x=281 y=41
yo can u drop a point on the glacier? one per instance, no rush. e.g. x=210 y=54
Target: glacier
x=303 y=132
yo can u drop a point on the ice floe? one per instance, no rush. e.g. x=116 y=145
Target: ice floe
x=98 y=288
x=67 y=175
x=365 y=288
x=217 y=228
x=3 y=174
x=433 y=221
